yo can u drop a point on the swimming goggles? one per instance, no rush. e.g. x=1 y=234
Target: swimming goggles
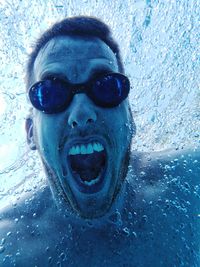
x=54 y=95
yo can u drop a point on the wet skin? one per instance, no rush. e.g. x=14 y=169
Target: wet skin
x=152 y=220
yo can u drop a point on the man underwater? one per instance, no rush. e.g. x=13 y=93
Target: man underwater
x=109 y=206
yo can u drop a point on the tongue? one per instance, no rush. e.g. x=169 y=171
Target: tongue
x=88 y=166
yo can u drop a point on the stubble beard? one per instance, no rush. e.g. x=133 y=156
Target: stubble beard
x=63 y=201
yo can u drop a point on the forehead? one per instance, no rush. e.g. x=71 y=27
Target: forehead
x=74 y=51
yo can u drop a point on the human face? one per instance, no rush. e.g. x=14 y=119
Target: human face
x=76 y=60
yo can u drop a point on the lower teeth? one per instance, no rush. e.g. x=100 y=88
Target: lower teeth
x=92 y=182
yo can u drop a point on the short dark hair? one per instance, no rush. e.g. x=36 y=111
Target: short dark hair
x=79 y=26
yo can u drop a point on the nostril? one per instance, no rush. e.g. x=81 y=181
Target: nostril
x=89 y=120
x=74 y=124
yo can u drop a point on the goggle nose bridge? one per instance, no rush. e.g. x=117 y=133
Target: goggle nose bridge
x=79 y=88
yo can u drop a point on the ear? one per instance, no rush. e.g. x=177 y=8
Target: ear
x=29 y=133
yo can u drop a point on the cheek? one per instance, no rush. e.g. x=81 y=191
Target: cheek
x=120 y=127
x=46 y=137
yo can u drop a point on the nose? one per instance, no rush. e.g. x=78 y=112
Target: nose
x=81 y=111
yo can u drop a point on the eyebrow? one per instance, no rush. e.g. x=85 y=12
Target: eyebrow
x=62 y=76
x=49 y=74
x=96 y=71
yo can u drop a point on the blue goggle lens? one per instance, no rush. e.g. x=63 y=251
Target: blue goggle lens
x=53 y=95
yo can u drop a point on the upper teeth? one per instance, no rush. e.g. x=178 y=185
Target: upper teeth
x=86 y=149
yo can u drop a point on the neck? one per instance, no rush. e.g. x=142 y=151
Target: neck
x=113 y=217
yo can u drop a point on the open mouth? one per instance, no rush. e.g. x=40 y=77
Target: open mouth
x=88 y=164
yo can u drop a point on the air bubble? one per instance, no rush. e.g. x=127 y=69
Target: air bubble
x=134 y=234
x=126 y=231
x=83 y=228
x=2 y=249
x=144 y=218
x=142 y=174
x=116 y=218
x=90 y=223
x=63 y=256
x=130 y=215
x=3 y=240
x=50 y=259
x=9 y=233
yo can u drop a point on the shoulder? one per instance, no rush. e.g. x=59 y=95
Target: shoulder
x=184 y=162
x=19 y=213
x=21 y=228
x=171 y=174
